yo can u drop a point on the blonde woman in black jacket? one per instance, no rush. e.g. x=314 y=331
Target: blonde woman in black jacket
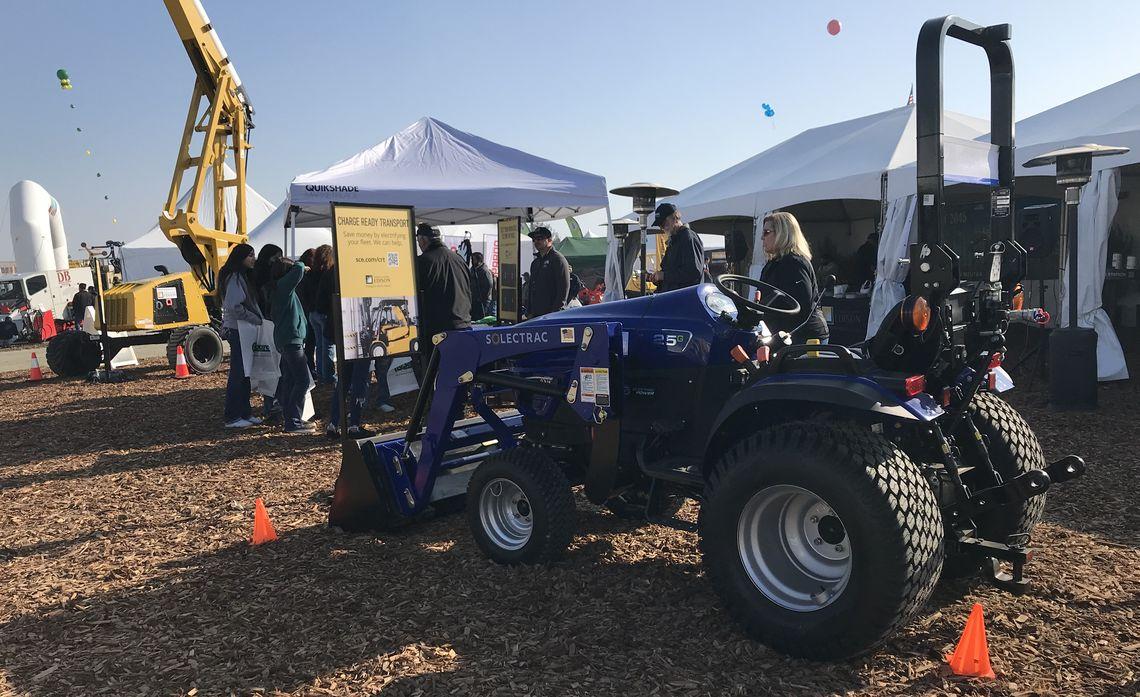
x=789 y=269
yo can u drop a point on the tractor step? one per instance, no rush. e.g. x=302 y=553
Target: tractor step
x=679 y=470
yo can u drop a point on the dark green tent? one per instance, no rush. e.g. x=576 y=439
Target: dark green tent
x=583 y=252
x=587 y=255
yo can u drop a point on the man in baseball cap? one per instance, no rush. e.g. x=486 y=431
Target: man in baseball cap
x=444 y=292
x=549 y=276
x=684 y=261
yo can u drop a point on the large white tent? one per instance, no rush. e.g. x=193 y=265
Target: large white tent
x=844 y=160
x=152 y=248
x=274 y=230
x=451 y=178
x=1108 y=116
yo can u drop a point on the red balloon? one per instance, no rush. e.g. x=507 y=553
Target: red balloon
x=833 y=27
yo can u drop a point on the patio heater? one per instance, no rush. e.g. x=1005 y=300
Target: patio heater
x=1072 y=349
x=644 y=197
x=620 y=229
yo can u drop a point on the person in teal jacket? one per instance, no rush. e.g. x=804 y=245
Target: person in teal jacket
x=289 y=337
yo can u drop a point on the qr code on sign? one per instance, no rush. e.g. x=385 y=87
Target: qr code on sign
x=393 y=258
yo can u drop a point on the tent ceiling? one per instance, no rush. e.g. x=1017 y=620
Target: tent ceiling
x=451 y=178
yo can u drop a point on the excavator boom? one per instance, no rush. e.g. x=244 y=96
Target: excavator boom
x=220 y=111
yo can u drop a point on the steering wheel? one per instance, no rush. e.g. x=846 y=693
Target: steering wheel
x=766 y=290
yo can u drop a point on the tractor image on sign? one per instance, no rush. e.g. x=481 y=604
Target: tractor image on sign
x=836 y=484
x=392 y=333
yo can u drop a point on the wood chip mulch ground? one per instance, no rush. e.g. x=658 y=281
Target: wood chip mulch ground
x=126 y=569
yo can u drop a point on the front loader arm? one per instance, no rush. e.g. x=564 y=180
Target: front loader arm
x=222 y=113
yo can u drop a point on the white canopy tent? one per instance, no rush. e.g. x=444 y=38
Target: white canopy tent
x=152 y=248
x=451 y=178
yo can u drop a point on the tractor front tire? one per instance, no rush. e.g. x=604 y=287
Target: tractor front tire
x=520 y=507
x=820 y=538
x=201 y=345
x=1014 y=450
x=73 y=354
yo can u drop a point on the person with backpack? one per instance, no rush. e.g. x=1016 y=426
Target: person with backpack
x=289 y=327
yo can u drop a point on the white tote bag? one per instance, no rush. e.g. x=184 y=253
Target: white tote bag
x=264 y=362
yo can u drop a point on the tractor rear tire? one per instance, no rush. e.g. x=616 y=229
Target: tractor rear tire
x=520 y=507
x=201 y=345
x=1014 y=450
x=820 y=538
x=73 y=354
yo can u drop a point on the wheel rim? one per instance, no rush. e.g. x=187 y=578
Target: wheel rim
x=794 y=548
x=506 y=514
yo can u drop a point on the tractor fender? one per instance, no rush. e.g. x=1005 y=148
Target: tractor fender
x=791 y=396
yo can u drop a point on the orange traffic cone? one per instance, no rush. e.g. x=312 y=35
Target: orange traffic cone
x=972 y=655
x=262 y=529
x=35 y=375
x=181 y=370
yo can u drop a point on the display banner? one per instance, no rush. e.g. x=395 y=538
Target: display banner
x=507 y=262
x=375 y=266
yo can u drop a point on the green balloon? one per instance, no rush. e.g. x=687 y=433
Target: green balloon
x=61 y=74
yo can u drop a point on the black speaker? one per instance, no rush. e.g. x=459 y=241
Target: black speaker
x=1072 y=369
x=1039 y=231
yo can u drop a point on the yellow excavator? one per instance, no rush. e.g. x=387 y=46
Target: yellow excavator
x=181 y=309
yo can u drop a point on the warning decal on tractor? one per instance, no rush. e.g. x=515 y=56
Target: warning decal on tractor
x=588 y=390
x=596 y=386
x=567 y=335
x=602 y=386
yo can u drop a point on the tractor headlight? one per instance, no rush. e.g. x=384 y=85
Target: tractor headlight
x=718 y=304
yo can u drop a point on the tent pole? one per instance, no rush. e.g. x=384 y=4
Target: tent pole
x=292 y=237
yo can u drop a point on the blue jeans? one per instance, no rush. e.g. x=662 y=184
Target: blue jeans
x=357 y=373
x=325 y=352
x=293 y=385
x=237 y=384
x=381 y=366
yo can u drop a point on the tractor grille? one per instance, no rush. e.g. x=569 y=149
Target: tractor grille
x=118 y=310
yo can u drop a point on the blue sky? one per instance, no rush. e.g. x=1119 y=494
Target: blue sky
x=663 y=91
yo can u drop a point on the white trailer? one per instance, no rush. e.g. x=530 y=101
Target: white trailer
x=24 y=297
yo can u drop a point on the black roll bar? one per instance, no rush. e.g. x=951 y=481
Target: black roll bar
x=929 y=118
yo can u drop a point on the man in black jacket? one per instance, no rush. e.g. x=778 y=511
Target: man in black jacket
x=79 y=304
x=549 y=276
x=684 y=262
x=481 y=285
x=444 y=292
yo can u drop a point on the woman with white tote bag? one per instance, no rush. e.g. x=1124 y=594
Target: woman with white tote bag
x=240 y=316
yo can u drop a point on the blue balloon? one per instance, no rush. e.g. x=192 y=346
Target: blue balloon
x=768 y=111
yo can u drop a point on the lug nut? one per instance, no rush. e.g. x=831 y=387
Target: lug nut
x=838 y=548
x=817 y=541
x=814 y=519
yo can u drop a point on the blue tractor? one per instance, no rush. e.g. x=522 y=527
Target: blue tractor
x=836 y=484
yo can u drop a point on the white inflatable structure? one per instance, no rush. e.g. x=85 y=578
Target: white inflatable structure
x=38 y=238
